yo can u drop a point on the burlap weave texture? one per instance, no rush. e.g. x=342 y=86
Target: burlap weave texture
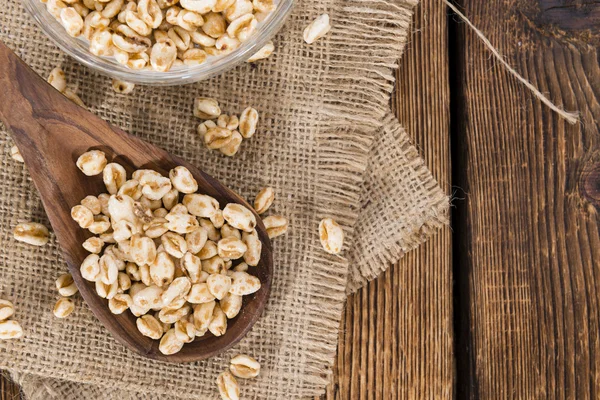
x=321 y=107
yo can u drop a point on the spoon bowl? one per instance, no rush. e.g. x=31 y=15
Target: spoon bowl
x=51 y=132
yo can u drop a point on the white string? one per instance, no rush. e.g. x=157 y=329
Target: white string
x=570 y=117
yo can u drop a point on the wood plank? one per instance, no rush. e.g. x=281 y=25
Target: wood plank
x=528 y=260
x=396 y=335
x=8 y=389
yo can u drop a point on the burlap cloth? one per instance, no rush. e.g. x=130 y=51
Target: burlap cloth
x=328 y=146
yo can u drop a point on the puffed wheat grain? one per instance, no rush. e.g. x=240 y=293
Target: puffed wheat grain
x=10 y=329
x=65 y=285
x=120 y=303
x=248 y=122
x=82 y=215
x=162 y=270
x=229 y=231
x=218 y=323
x=93 y=204
x=263 y=53
x=217 y=137
x=200 y=205
x=31 y=233
x=218 y=285
x=275 y=225
x=57 y=79
x=253 y=248
x=7 y=309
x=92 y=162
x=237 y=9
x=150 y=327
x=231 y=248
x=239 y=217
x=231 y=148
x=264 y=200
x=199 y=294
x=114 y=176
x=15 y=154
x=228 y=386
x=90 y=267
x=177 y=290
x=229 y=122
x=213 y=265
x=211 y=232
x=183 y=180
x=206 y=108
x=163 y=55
x=196 y=240
x=317 y=29
x=170 y=316
x=243 y=283
x=202 y=316
x=107 y=291
x=245 y=367
x=122 y=87
x=71 y=21
x=231 y=305
x=169 y=343
x=63 y=307
x=199 y=6
x=185 y=330
x=331 y=235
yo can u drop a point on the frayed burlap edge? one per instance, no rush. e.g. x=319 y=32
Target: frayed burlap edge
x=402 y=206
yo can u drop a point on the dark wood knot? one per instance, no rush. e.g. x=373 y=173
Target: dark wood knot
x=570 y=15
x=589 y=184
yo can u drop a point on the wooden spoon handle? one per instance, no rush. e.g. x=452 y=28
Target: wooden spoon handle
x=23 y=93
x=39 y=119
x=49 y=131
x=35 y=113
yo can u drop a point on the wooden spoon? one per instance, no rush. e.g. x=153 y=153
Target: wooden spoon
x=51 y=132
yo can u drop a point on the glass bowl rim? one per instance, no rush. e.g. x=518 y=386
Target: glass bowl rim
x=180 y=76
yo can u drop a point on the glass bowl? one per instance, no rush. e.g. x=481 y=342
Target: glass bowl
x=78 y=49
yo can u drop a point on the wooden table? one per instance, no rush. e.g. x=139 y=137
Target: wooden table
x=509 y=305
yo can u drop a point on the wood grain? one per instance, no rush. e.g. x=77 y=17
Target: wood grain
x=528 y=260
x=396 y=337
x=51 y=132
x=8 y=389
x=570 y=15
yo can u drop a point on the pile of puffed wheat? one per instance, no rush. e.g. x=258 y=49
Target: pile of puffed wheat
x=174 y=259
x=162 y=34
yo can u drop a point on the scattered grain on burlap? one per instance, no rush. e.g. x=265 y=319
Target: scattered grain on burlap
x=321 y=108
x=398 y=191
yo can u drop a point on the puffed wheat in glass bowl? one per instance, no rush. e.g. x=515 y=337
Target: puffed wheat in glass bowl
x=214 y=65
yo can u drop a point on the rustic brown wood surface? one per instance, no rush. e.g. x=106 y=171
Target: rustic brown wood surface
x=528 y=300
x=39 y=118
x=8 y=389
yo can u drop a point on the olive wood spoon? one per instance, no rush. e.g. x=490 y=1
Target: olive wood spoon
x=51 y=132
